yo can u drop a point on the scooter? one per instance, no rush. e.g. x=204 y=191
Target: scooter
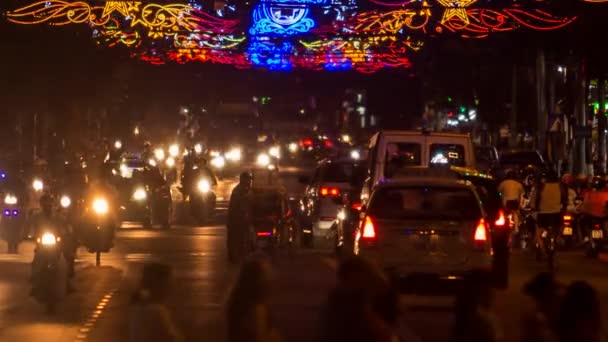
x=99 y=229
x=49 y=279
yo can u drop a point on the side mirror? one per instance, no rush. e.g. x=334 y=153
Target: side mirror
x=304 y=179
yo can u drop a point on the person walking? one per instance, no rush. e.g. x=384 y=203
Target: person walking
x=151 y=320
x=239 y=219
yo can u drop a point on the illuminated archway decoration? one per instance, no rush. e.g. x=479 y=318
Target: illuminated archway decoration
x=288 y=34
x=456 y=9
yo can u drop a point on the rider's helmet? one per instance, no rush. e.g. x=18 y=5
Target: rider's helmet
x=568 y=179
x=509 y=174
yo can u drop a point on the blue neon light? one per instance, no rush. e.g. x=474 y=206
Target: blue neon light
x=282 y=20
x=7 y=212
x=2 y=175
x=15 y=212
x=270 y=55
x=289 y=2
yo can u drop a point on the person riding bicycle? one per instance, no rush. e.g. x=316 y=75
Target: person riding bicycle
x=551 y=201
x=512 y=191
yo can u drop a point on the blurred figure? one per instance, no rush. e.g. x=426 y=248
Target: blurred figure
x=568 y=181
x=151 y=320
x=512 y=192
x=239 y=219
x=550 y=203
x=539 y=322
x=248 y=312
x=362 y=307
x=474 y=318
x=580 y=317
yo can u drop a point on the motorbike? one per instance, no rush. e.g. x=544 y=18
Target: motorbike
x=203 y=200
x=12 y=222
x=596 y=235
x=99 y=228
x=568 y=237
x=548 y=237
x=162 y=206
x=49 y=280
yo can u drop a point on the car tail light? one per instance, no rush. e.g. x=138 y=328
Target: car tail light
x=356 y=206
x=369 y=230
x=307 y=142
x=325 y=191
x=481 y=231
x=567 y=218
x=501 y=221
x=328 y=143
x=597 y=226
x=264 y=233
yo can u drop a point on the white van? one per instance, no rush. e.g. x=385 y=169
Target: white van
x=390 y=151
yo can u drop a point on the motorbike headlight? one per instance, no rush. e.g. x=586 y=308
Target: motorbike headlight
x=263 y=160
x=48 y=239
x=198 y=148
x=204 y=186
x=100 y=206
x=214 y=153
x=218 y=162
x=38 y=185
x=275 y=151
x=174 y=150
x=293 y=147
x=234 y=155
x=152 y=162
x=140 y=194
x=355 y=154
x=10 y=199
x=170 y=162
x=118 y=144
x=159 y=154
x=65 y=201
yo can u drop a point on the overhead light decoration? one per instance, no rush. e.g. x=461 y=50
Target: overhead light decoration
x=284 y=35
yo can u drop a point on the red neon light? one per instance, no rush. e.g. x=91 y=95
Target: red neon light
x=264 y=233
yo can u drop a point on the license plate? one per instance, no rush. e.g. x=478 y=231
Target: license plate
x=567 y=231
x=597 y=234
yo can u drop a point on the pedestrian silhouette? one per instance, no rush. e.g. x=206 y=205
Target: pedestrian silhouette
x=151 y=320
x=580 y=317
x=474 y=319
x=362 y=307
x=538 y=322
x=248 y=311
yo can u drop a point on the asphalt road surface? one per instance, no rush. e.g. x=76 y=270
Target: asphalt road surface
x=99 y=310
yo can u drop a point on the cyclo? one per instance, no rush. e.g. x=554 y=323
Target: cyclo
x=273 y=224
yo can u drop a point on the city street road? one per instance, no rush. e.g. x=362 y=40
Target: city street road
x=99 y=310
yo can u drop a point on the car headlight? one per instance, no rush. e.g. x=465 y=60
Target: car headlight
x=140 y=194
x=263 y=160
x=100 y=206
x=65 y=201
x=10 y=199
x=204 y=186
x=38 y=185
x=275 y=151
x=48 y=239
x=218 y=162
x=234 y=155
x=293 y=147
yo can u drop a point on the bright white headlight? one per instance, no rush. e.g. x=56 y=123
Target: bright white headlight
x=170 y=162
x=218 y=162
x=100 y=206
x=10 y=199
x=263 y=160
x=118 y=144
x=48 y=239
x=174 y=150
x=275 y=151
x=65 y=201
x=356 y=155
x=159 y=154
x=293 y=147
x=38 y=185
x=198 y=148
x=152 y=162
x=234 y=154
x=204 y=186
x=140 y=194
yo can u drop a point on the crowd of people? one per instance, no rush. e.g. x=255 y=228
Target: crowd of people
x=365 y=306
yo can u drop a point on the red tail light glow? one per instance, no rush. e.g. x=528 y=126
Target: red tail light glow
x=264 y=233
x=307 y=142
x=501 y=221
x=369 y=231
x=328 y=143
x=481 y=232
x=356 y=206
x=325 y=191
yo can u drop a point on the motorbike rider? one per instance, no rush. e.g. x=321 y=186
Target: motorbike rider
x=568 y=181
x=594 y=203
x=101 y=186
x=551 y=201
x=512 y=192
x=239 y=219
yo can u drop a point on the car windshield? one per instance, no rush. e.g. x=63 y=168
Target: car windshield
x=521 y=158
x=401 y=155
x=424 y=202
x=344 y=173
